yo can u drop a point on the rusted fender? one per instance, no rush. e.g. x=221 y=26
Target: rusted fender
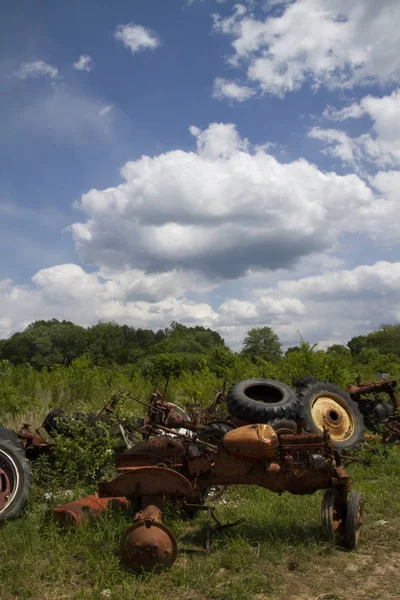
x=91 y=507
x=147 y=481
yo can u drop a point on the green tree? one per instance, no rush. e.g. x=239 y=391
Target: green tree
x=386 y=339
x=46 y=343
x=262 y=342
x=338 y=349
x=292 y=349
x=356 y=344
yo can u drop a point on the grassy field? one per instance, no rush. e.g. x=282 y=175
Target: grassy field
x=278 y=553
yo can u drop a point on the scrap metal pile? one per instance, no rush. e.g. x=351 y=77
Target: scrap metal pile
x=262 y=433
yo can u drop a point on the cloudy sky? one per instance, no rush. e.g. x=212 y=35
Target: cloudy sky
x=221 y=164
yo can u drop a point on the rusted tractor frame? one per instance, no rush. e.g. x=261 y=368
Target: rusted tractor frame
x=34 y=444
x=363 y=391
x=180 y=470
x=386 y=386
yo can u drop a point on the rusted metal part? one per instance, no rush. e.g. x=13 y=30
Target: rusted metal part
x=148 y=544
x=252 y=455
x=5 y=489
x=187 y=438
x=252 y=441
x=386 y=386
x=157 y=448
x=91 y=507
x=33 y=443
x=392 y=430
x=148 y=481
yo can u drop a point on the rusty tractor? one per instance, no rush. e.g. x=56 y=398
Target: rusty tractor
x=182 y=469
x=379 y=404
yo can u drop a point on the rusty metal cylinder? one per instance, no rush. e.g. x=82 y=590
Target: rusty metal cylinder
x=91 y=507
x=148 y=544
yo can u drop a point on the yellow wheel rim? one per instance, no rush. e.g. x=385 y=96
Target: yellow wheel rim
x=332 y=413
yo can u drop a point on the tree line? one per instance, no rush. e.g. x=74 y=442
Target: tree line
x=45 y=344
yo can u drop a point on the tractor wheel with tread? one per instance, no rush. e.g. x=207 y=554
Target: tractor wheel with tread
x=302 y=381
x=262 y=400
x=332 y=515
x=15 y=479
x=284 y=426
x=354 y=519
x=9 y=434
x=325 y=405
x=214 y=432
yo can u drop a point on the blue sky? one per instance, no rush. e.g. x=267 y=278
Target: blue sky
x=269 y=195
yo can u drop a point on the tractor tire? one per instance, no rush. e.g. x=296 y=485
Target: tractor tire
x=302 y=381
x=354 y=519
x=9 y=434
x=214 y=432
x=284 y=426
x=15 y=479
x=262 y=400
x=325 y=405
x=55 y=423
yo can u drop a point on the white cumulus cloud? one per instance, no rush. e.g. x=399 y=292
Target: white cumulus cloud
x=84 y=63
x=223 y=209
x=105 y=109
x=38 y=68
x=334 y=306
x=137 y=37
x=380 y=145
x=225 y=89
x=335 y=43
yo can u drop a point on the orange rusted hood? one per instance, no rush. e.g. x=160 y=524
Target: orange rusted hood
x=252 y=441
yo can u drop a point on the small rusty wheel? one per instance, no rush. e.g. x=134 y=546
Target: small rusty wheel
x=354 y=519
x=332 y=514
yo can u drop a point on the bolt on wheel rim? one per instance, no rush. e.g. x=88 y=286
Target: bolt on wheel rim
x=333 y=414
x=9 y=480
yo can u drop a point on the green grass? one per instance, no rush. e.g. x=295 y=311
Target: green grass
x=279 y=552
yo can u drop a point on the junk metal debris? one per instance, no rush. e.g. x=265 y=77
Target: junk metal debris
x=182 y=470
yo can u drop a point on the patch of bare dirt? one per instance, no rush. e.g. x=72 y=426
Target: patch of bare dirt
x=347 y=576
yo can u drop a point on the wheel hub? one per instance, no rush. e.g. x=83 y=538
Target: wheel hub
x=5 y=489
x=328 y=412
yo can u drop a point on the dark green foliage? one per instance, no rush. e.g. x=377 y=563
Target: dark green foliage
x=338 y=349
x=45 y=344
x=356 y=344
x=262 y=342
x=292 y=349
x=82 y=458
x=385 y=339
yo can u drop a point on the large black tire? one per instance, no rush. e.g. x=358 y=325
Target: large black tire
x=9 y=434
x=284 y=426
x=325 y=405
x=54 y=423
x=302 y=381
x=262 y=400
x=15 y=480
x=214 y=432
